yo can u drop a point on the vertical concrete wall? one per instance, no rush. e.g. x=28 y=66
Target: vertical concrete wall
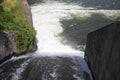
x=27 y=12
x=103 y=52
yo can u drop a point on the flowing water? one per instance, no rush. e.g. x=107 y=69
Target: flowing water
x=53 y=60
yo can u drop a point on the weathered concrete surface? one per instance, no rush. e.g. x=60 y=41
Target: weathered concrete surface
x=7 y=44
x=103 y=52
x=27 y=12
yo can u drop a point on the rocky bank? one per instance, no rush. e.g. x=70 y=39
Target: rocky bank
x=103 y=52
x=8 y=43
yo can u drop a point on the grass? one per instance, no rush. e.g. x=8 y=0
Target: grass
x=12 y=19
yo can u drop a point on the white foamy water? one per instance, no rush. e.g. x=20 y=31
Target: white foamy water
x=17 y=74
x=46 y=20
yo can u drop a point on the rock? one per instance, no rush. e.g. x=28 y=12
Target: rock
x=103 y=52
x=7 y=44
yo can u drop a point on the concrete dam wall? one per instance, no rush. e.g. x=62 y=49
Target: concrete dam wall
x=103 y=52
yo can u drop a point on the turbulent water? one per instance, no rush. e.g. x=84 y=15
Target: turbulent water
x=53 y=60
x=46 y=19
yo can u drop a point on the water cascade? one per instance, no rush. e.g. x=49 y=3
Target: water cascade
x=46 y=19
x=53 y=60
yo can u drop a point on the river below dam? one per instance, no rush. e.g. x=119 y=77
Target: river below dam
x=56 y=58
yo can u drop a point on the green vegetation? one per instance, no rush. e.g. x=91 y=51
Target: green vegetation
x=12 y=19
x=80 y=24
